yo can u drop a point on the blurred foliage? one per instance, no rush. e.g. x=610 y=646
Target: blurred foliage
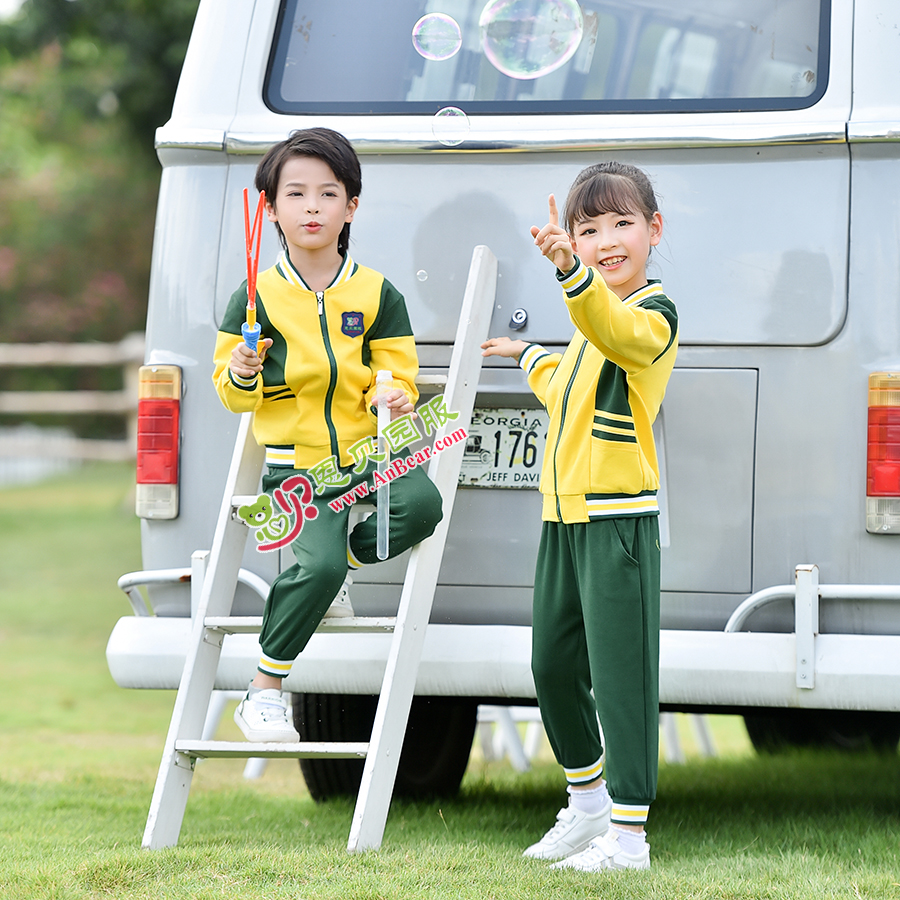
x=83 y=86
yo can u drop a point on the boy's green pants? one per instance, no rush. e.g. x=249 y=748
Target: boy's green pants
x=302 y=593
x=596 y=625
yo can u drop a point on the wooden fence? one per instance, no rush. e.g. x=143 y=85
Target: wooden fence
x=128 y=354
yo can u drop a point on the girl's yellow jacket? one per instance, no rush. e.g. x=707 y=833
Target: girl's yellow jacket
x=603 y=395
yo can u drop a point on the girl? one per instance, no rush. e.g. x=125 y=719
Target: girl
x=596 y=587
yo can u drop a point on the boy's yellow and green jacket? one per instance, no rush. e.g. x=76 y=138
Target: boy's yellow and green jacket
x=314 y=399
x=603 y=395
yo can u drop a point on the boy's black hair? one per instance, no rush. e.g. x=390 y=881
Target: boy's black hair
x=320 y=143
x=609 y=187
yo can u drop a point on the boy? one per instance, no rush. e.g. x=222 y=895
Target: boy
x=329 y=325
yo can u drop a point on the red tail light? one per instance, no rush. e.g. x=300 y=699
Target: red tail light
x=159 y=407
x=883 y=456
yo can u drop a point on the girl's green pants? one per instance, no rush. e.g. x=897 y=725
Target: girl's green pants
x=596 y=628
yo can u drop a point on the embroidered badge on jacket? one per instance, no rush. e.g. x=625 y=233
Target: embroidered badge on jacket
x=352 y=324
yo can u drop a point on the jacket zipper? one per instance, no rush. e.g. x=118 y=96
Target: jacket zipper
x=332 y=383
x=562 y=422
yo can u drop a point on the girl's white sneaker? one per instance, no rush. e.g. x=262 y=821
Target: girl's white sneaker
x=604 y=853
x=573 y=832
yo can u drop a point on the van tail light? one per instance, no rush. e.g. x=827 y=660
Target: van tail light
x=159 y=407
x=883 y=455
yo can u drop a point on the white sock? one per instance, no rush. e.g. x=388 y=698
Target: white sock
x=632 y=842
x=253 y=691
x=590 y=801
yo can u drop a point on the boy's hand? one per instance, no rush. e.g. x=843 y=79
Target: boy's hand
x=399 y=404
x=553 y=241
x=503 y=346
x=246 y=363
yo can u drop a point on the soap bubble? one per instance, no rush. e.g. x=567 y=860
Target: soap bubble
x=436 y=36
x=526 y=39
x=450 y=126
x=422 y=275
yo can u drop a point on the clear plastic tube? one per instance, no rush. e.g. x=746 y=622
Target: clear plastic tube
x=384 y=381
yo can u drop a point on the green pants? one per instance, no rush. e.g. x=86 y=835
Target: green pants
x=302 y=593
x=596 y=626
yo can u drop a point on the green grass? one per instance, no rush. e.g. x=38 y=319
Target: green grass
x=78 y=759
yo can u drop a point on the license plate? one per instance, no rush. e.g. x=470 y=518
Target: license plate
x=505 y=448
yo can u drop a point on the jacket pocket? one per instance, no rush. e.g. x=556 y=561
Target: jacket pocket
x=616 y=467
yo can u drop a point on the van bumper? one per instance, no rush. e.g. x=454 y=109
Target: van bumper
x=697 y=668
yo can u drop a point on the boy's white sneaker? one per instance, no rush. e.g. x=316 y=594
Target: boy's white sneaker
x=265 y=717
x=604 y=853
x=340 y=607
x=573 y=832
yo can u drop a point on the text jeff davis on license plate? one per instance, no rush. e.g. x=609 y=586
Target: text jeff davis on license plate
x=505 y=448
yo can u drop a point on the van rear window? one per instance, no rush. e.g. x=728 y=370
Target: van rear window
x=547 y=56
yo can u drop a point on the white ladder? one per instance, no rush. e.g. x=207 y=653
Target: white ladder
x=218 y=572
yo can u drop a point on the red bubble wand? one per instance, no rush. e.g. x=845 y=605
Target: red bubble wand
x=251 y=329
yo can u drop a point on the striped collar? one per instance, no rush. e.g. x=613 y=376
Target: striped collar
x=288 y=271
x=651 y=289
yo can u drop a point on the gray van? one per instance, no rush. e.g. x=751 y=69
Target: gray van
x=771 y=129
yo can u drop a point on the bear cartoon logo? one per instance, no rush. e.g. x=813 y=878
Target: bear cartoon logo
x=269 y=525
x=257 y=514
x=271 y=517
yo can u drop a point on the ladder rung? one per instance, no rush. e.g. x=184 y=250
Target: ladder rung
x=243 y=500
x=426 y=380
x=348 y=624
x=247 y=749
x=239 y=500
x=358 y=625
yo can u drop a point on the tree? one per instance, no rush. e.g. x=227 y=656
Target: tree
x=83 y=85
x=139 y=45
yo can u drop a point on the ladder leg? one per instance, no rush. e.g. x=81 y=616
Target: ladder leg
x=512 y=742
x=534 y=736
x=485 y=734
x=671 y=739
x=216 y=587
x=217 y=703
x=392 y=714
x=703 y=734
x=173 y=783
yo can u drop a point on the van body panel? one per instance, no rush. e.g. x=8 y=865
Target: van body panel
x=709 y=497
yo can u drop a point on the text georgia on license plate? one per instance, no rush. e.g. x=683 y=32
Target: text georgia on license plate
x=505 y=448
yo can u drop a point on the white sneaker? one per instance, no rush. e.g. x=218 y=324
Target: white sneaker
x=264 y=717
x=573 y=832
x=604 y=853
x=340 y=607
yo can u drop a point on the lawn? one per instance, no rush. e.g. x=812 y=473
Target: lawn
x=78 y=759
